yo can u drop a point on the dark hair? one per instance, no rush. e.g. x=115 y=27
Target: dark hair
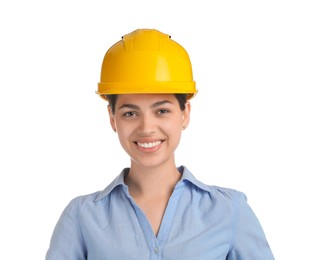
x=113 y=98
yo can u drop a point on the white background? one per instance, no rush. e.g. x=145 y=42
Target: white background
x=251 y=120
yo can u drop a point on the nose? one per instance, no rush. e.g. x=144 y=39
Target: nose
x=147 y=125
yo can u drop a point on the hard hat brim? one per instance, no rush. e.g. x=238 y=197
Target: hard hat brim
x=169 y=87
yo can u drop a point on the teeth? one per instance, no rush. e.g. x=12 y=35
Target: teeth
x=149 y=145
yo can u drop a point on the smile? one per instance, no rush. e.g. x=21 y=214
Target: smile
x=149 y=145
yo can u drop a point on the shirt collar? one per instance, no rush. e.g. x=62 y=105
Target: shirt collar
x=119 y=181
x=187 y=176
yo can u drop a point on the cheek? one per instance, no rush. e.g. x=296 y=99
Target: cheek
x=174 y=124
x=173 y=128
x=124 y=132
x=123 y=138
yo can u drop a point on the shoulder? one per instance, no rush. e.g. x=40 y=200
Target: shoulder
x=213 y=192
x=218 y=192
x=227 y=199
x=92 y=202
x=80 y=202
x=226 y=193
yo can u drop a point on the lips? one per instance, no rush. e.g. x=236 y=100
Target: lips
x=149 y=145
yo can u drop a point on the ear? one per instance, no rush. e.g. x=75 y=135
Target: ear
x=186 y=114
x=111 y=118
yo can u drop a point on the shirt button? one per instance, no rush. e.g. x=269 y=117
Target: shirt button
x=156 y=250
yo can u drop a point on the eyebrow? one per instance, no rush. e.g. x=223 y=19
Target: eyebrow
x=154 y=105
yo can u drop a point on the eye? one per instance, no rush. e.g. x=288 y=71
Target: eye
x=129 y=114
x=163 y=111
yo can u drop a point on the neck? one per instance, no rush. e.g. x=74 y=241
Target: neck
x=152 y=181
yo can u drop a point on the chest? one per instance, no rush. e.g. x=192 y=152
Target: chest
x=186 y=230
x=154 y=210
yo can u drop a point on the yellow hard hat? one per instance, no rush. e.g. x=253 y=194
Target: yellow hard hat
x=146 y=61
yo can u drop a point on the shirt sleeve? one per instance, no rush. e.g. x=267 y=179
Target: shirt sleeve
x=249 y=241
x=67 y=241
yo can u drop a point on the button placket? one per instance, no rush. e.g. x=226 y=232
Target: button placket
x=156 y=250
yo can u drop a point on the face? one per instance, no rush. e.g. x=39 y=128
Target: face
x=149 y=127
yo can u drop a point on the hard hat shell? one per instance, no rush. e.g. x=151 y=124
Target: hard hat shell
x=146 y=61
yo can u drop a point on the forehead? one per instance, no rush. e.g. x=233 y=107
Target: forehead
x=145 y=99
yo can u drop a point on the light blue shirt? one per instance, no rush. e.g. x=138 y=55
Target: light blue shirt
x=201 y=222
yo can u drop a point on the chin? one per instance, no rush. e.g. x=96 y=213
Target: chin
x=150 y=162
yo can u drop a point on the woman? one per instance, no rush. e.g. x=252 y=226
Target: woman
x=154 y=209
